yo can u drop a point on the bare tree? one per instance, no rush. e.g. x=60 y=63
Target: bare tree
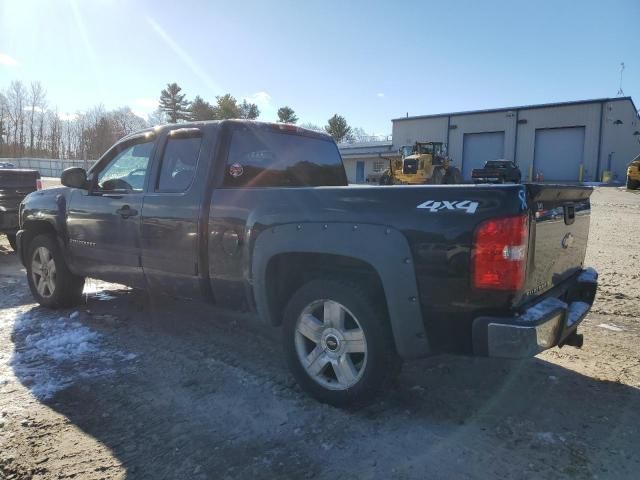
x=126 y=122
x=54 y=134
x=40 y=146
x=36 y=105
x=157 y=117
x=3 y=128
x=16 y=99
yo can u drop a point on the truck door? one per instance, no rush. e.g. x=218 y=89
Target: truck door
x=171 y=212
x=104 y=221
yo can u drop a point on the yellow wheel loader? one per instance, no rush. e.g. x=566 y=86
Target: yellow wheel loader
x=633 y=174
x=419 y=164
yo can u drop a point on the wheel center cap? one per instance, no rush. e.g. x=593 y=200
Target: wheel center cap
x=332 y=343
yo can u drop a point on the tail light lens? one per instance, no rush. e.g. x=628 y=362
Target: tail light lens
x=39 y=184
x=500 y=253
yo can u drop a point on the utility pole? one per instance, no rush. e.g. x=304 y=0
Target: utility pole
x=620 y=92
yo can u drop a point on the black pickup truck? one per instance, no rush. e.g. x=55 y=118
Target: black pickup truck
x=497 y=171
x=15 y=184
x=258 y=217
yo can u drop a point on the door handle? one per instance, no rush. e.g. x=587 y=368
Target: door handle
x=126 y=211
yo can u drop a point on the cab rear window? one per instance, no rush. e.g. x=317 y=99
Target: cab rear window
x=260 y=157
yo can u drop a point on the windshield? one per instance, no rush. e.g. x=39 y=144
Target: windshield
x=426 y=148
x=497 y=164
x=406 y=150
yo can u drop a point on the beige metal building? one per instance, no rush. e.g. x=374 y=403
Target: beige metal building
x=365 y=161
x=571 y=141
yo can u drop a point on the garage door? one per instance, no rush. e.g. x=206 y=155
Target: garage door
x=558 y=153
x=477 y=148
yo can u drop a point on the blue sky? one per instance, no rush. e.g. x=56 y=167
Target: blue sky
x=369 y=61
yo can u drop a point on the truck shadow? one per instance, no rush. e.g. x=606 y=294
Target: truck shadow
x=190 y=397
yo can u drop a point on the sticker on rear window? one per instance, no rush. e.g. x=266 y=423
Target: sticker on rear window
x=437 y=206
x=236 y=170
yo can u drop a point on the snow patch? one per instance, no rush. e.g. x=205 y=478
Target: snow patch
x=99 y=289
x=546 y=437
x=103 y=296
x=52 y=352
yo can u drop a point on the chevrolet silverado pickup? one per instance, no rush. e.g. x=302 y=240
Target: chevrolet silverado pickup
x=15 y=184
x=259 y=218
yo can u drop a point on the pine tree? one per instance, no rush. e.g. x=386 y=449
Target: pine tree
x=174 y=104
x=227 y=107
x=249 y=110
x=338 y=128
x=287 y=115
x=202 y=110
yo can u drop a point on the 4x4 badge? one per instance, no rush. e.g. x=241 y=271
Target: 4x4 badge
x=435 y=206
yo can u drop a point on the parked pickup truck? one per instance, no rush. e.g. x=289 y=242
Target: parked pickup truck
x=15 y=184
x=497 y=171
x=258 y=217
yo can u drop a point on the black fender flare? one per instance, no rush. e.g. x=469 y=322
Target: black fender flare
x=54 y=217
x=384 y=248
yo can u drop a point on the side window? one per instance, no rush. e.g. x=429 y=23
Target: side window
x=259 y=157
x=179 y=162
x=128 y=169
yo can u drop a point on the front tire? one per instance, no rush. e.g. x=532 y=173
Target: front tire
x=338 y=343
x=50 y=280
x=453 y=176
x=632 y=184
x=437 y=176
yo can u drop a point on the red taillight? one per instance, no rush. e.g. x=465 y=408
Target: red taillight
x=39 y=184
x=500 y=253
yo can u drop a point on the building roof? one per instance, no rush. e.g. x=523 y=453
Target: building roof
x=521 y=107
x=366 y=149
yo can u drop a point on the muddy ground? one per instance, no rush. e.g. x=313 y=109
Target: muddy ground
x=132 y=387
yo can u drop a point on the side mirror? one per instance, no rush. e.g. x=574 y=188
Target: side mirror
x=74 y=177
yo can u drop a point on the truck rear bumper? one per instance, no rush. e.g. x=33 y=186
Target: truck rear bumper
x=8 y=219
x=548 y=323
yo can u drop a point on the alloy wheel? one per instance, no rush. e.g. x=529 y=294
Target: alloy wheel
x=331 y=345
x=43 y=272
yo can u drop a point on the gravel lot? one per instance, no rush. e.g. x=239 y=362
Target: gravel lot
x=132 y=387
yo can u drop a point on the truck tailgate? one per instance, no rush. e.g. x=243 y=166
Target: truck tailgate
x=15 y=184
x=558 y=235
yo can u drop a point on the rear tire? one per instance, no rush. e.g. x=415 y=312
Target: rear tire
x=12 y=241
x=338 y=343
x=50 y=280
x=632 y=184
x=453 y=176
